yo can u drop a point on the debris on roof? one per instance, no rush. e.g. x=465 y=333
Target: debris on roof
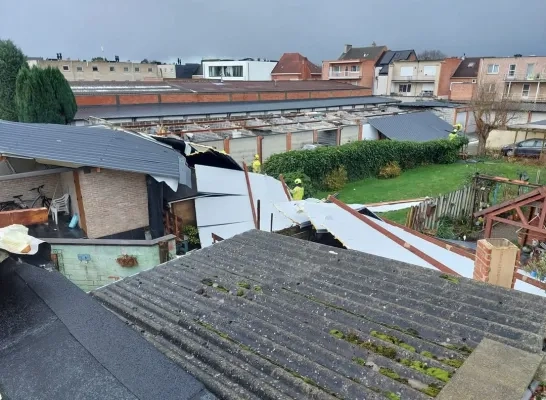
x=81 y=146
x=287 y=318
x=418 y=127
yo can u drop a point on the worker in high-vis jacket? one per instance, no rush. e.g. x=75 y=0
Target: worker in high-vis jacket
x=297 y=192
x=454 y=134
x=257 y=165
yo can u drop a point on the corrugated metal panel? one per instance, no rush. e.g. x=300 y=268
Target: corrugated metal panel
x=220 y=210
x=224 y=231
x=93 y=147
x=393 y=207
x=356 y=235
x=296 y=210
x=418 y=127
x=220 y=181
x=269 y=191
x=187 y=109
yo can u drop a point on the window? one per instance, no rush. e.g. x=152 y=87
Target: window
x=112 y=69
x=512 y=70
x=530 y=69
x=125 y=69
x=406 y=71
x=336 y=68
x=231 y=71
x=79 y=69
x=491 y=88
x=95 y=68
x=150 y=69
x=355 y=68
x=528 y=143
x=66 y=68
x=493 y=69
x=429 y=70
x=404 y=88
x=137 y=69
x=525 y=91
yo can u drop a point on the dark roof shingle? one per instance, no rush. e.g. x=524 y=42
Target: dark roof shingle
x=417 y=126
x=391 y=56
x=468 y=68
x=363 y=53
x=269 y=316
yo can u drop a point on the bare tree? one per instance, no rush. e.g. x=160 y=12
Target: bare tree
x=431 y=55
x=491 y=111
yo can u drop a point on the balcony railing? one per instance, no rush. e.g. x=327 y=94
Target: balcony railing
x=415 y=78
x=525 y=77
x=541 y=98
x=345 y=74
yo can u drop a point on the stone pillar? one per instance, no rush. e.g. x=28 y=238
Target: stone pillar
x=496 y=262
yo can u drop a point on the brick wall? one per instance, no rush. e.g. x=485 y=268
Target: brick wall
x=92 y=100
x=449 y=65
x=21 y=186
x=462 y=89
x=113 y=202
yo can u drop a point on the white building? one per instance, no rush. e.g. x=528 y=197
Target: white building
x=167 y=71
x=241 y=70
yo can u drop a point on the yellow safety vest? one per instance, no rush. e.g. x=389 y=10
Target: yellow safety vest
x=257 y=166
x=297 y=193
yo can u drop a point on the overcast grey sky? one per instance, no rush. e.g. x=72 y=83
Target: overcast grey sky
x=190 y=29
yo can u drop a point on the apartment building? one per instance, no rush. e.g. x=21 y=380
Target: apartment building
x=380 y=87
x=106 y=71
x=425 y=78
x=463 y=82
x=247 y=69
x=295 y=67
x=356 y=65
x=520 y=78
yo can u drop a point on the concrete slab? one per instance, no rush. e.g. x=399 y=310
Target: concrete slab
x=493 y=371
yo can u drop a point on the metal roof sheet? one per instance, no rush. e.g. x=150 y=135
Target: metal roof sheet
x=189 y=109
x=418 y=127
x=285 y=318
x=92 y=147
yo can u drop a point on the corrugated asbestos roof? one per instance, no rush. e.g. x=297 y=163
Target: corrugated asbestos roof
x=188 y=109
x=272 y=317
x=417 y=127
x=92 y=147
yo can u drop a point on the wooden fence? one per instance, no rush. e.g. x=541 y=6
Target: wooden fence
x=456 y=204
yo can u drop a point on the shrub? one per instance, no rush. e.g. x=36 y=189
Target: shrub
x=308 y=186
x=391 y=170
x=193 y=235
x=363 y=158
x=336 y=179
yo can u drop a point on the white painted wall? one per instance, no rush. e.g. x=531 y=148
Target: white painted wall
x=380 y=85
x=243 y=149
x=252 y=70
x=349 y=134
x=369 y=132
x=301 y=138
x=167 y=71
x=273 y=144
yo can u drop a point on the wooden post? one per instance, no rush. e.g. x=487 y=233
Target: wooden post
x=286 y=191
x=81 y=209
x=250 y=195
x=488 y=227
x=258 y=212
x=359 y=122
x=288 y=141
x=271 y=224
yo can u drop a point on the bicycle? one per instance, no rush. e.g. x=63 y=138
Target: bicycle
x=41 y=199
x=10 y=205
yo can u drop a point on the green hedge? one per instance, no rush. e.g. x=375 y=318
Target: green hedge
x=364 y=158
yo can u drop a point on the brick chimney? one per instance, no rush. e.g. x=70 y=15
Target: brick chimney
x=348 y=47
x=496 y=262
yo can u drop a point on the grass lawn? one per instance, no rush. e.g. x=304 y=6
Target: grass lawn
x=430 y=180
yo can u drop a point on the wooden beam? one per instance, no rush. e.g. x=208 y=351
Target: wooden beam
x=542 y=217
x=522 y=217
x=26 y=217
x=506 y=180
x=216 y=238
x=508 y=205
x=79 y=198
x=285 y=187
x=438 y=242
x=519 y=225
x=488 y=228
x=531 y=281
x=393 y=237
x=247 y=178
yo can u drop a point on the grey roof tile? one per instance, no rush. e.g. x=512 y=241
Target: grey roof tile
x=92 y=147
x=365 y=53
x=418 y=126
x=267 y=316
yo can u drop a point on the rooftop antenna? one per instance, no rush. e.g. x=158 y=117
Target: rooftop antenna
x=464 y=56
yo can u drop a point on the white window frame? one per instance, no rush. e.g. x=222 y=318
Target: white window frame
x=406 y=86
x=512 y=72
x=355 y=68
x=336 y=68
x=523 y=95
x=429 y=70
x=492 y=69
x=404 y=71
